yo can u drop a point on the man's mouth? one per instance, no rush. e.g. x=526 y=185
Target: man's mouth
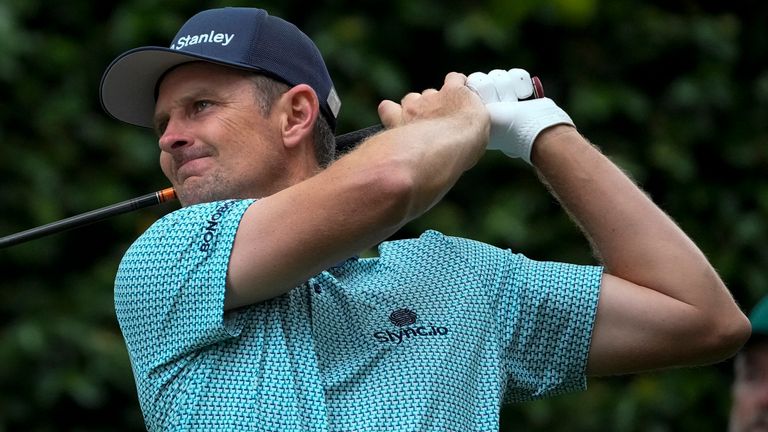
x=193 y=166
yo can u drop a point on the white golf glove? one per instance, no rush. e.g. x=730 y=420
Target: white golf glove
x=515 y=123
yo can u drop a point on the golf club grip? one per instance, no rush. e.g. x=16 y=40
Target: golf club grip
x=348 y=141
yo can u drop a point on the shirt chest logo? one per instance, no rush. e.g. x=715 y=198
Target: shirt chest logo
x=409 y=328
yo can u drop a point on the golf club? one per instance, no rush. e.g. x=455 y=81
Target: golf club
x=344 y=143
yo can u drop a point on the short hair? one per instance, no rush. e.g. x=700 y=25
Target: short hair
x=269 y=90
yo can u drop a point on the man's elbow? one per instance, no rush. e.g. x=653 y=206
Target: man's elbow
x=404 y=193
x=726 y=335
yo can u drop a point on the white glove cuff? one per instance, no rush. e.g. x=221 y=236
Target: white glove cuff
x=539 y=114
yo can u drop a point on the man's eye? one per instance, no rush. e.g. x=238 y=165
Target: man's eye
x=160 y=127
x=201 y=105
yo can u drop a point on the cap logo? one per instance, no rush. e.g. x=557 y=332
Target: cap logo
x=334 y=103
x=217 y=38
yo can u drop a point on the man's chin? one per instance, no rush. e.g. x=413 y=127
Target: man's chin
x=198 y=189
x=196 y=192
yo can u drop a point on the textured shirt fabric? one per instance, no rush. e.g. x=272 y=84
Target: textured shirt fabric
x=435 y=333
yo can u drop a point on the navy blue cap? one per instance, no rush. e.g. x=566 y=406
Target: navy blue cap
x=244 y=38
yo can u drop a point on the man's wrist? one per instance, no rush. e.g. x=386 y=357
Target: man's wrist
x=551 y=138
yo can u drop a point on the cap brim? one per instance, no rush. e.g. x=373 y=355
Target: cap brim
x=127 y=90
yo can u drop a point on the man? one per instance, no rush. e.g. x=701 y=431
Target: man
x=248 y=310
x=749 y=409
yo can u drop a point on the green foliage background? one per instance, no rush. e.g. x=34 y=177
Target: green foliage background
x=675 y=92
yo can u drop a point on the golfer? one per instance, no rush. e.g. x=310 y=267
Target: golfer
x=249 y=308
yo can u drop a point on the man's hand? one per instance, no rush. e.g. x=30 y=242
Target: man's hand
x=452 y=99
x=515 y=123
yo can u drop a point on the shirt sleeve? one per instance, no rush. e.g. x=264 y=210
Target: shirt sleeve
x=170 y=285
x=544 y=314
x=547 y=312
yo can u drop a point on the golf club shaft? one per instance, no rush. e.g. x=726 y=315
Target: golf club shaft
x=344 y=143
x=83 y=219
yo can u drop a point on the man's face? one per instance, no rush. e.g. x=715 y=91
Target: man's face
x=215 y=142
x=749 y=411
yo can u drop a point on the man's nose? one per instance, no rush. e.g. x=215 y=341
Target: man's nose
x=174 y=136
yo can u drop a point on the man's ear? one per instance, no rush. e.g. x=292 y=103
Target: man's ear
x=301 y=108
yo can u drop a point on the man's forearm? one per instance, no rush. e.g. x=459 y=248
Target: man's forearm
x=634 y=239
x=660 y=292
x=357 y=202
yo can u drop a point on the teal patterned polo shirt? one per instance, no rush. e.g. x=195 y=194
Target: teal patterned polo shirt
x=436 y=333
